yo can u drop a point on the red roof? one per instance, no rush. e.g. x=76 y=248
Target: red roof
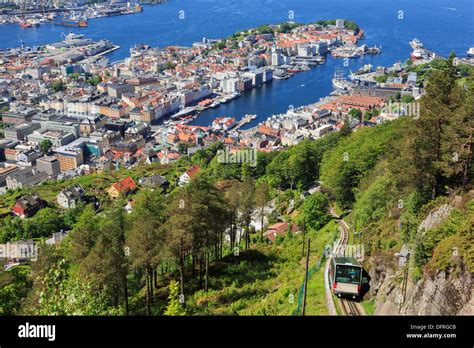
x=268 y=130
x=192 y=171
x=125 y=185
x=279 y=229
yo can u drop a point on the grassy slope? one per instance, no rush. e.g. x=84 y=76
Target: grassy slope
x=265 y=280
x=96 y=184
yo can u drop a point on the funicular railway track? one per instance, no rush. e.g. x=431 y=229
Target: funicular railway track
x=348 y=307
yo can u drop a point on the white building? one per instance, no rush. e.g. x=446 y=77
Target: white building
x=277 y=57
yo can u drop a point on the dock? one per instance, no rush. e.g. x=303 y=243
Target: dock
x=246 y=119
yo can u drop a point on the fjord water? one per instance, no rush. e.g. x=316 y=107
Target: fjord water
x=442 y=25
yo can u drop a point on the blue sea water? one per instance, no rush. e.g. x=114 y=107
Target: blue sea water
x=442 y=25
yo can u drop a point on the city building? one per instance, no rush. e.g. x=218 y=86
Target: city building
x=49 y=164
x=57 y=137
x=339 y=23
x=6 y=170
x=69 y=157
x=20 y=131
x=27 y=177
x=20 y=116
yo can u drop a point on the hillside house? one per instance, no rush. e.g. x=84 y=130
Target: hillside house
x=280 y=229
x=69 y=197
x=190 y=173
x=122 y=187
x=27 y=206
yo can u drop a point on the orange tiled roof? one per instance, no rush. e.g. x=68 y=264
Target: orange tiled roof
x=125 y=184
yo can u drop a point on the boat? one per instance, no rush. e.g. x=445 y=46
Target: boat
x=295 y=69
x=416 y=44
x=138 y=50
x=418 y=53
x=470 y=52
x=226 y=99
x=191 y=110
x=72 y=37
x=338 y=81
x=367 y=68
x=23 y=23
x=78 y=23
x=374 y=50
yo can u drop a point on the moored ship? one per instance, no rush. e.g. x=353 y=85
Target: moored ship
x=338 y=81
x=71 y=22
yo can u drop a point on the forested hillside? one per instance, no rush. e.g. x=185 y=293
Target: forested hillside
x=205 y=240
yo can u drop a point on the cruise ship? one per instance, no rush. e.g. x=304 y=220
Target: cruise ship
x=470 y=52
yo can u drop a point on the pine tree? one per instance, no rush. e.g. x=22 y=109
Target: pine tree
x=147 y=238
x=261 y=199
x=432 y=135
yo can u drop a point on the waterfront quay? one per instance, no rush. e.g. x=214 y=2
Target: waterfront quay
x=73 y=16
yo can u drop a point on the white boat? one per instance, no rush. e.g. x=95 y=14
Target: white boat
x=470 y=52
x=415 y=44
x=338 y=81
x=72 y=36
x=367 y=68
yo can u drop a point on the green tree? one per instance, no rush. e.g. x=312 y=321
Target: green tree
x=355 y=114
x=14 y=286
x=94 y=80
x=246 y=207
x=45 y=146
x=407 y=99
x=147 y=238
x=431 y=137
x=174 y=307
x=346 y=129
x=58 y=85
x=314 y=211
x=199 y=214
x=262 y=194
x=106 y=265
x=221 y=45
x=84 y=234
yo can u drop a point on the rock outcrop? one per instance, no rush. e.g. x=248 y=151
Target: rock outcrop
x=439 y=294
